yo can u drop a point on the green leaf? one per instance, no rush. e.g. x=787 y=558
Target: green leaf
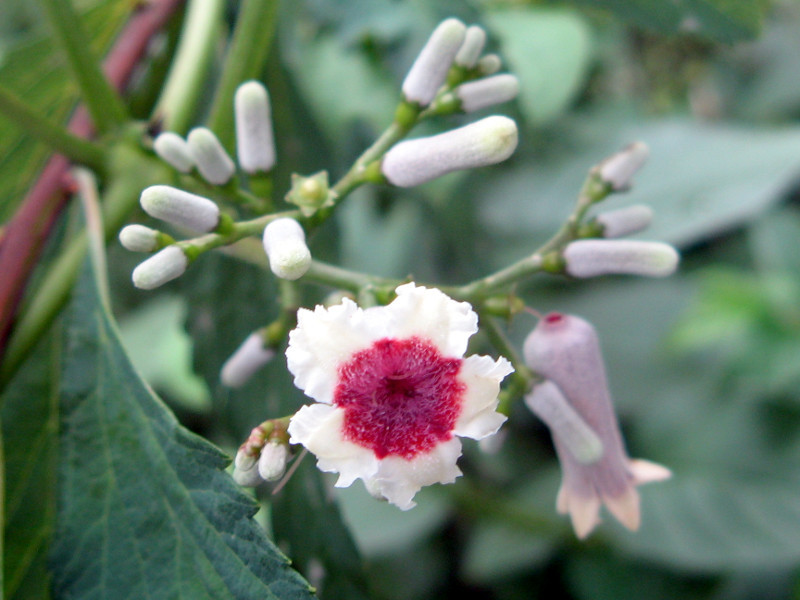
x=549 y=50
x=496 y=550
x=37 y=74
x=30 y=439
x=719 y=20
x=144 y=507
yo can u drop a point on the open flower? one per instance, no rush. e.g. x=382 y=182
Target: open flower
x=393 y=390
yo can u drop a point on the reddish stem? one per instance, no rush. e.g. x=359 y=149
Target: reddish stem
x=26 y=233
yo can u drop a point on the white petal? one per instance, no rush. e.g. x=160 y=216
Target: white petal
x=482 y=376
x=625 y=507
x=645 y=471
x=323 y=340
x=584 y=512
x=434 y=316
x=318 y=427
x=398 y=480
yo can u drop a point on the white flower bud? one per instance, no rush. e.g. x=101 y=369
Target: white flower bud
x=173 y=149
x=166 y=265
x=245 y=470
x=272 y=462
x=285 y=245
x=430 y=69
x=625 y=221
x=212 y=161
x=618 y=169
x=255 y=143
x=138 y=238
x=180 y=208
x=248 y=358
x=489 y=64
x=478 y=94
x=471 y=48
x=485 y=142
x=548 y=403
x=590 y=258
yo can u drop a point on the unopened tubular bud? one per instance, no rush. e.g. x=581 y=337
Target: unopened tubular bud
x=255 y=143
x=166 y=265
x=180 y=208
x=285 y=245
x=138 y=238
x=245 y=469
x=272 y=462
x=248 y=358
x=429 y=70
x=212 y=161
x=489 y=64
x=618 y=169
x=471 y=47
x=174 y=150
x=590 y=258
x=478 y=94
x=485 y=142
x=625 y=221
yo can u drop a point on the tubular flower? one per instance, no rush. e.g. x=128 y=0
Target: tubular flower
x=576 y=405
x=393 y=390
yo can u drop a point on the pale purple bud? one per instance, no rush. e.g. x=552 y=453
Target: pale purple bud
x=565 y=350
x=138 y=238
x=471 y=48
x=485 y=142
x=255 y=143
x=618 y=169
x=245 y=469
x=489 y=64
x=212 y=161
x=625 y=221
x=430 y=68
x=174 y=150
x=590 y=258
x=248 y=358
x=273 y=459
x=478 y=94
x=166 y=265
x=285 y=245
x=180 y=208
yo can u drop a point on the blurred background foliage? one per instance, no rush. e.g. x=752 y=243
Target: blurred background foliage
x=704 y=366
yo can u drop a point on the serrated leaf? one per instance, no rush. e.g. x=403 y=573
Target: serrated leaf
x=144 y=507
x=549 y=50
x=720 y=20
x=30 y=439
x=35 y=72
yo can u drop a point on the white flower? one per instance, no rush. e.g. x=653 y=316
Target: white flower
x=481 y=93
x=255 y=144
x=618 y=169
x=430 y=68
x=166 y=265
x=174 y=150
x=285 y=245
x=138 y=238
x=248 y=358
x=625 y=221
x=393 y=390
x=180 y=208
x=212 y=161
x=590 y=258
x=471 y=47
x=273 y=459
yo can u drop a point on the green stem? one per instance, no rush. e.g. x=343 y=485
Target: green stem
x=194 y=55
x=103 y=102
x=320 y=272
x=248 y=52
x=58 y=138
x=241 y=230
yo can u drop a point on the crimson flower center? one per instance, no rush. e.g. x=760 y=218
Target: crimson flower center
x=400 y=397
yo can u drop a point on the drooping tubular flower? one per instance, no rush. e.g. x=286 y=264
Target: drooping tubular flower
x=575 y=403
x=393 y=390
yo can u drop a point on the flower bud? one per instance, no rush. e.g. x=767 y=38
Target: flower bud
x=166 y=265
x=174 y=150
x=478 y=94
x=138 y=238
x=180 y=208
x=245 y=469
x=485 y=142
x=471 y=48
x=272 y=462
x=489 y=64
x=590 y=258
x=625 y=221
x=212 y=161
x=565 y=350
x=248 y=358
x=618 y=169
x=285 y=245
x=429 y=71
x=255 y=143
